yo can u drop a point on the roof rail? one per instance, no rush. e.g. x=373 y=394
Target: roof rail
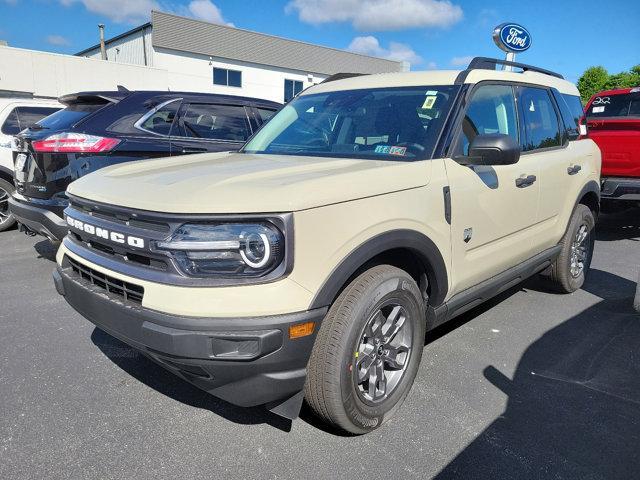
x=341 y=76
x=486 y=63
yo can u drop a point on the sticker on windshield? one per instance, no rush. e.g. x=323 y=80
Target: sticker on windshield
x=387 y=150
x=429 y=102
x=597 y=109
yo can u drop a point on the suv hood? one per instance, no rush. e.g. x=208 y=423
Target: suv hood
x=246 y=183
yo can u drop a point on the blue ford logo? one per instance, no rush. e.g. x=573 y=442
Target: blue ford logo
x=512 y=37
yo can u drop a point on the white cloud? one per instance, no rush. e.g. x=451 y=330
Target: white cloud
x=207 y=11
x=58 y=40
x=119 y=11
x=461 y=61
x=432 y=66
x=370 y=45
x=139 y=11
x=377 y=15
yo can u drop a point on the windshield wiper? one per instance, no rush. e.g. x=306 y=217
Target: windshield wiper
x=35 y=126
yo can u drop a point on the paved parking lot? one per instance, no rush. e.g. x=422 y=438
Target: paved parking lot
x=534 y=385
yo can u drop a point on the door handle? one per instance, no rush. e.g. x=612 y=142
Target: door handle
x=525 y=181
x=573 y=169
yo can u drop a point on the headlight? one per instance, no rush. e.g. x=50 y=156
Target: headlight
x=226 y=250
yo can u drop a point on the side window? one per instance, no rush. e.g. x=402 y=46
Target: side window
x=265 y=114
x=291 y=89
x=573 y=101
x=569 y=117
x=160 y=119
x=540 y=119
x=216 y=122
x=492 y=109
x=11 y=126
x=634 y=108
x=30 y=115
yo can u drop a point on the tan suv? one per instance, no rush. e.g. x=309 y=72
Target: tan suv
x=366 y=212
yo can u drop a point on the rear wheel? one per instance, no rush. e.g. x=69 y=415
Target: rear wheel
x=368 y=351
x=6 y=218
x=568 y=272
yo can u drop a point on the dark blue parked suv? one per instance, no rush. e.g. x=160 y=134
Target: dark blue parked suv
x=97 y=129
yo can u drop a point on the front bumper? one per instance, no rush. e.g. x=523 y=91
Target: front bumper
x=44 y=218
x=621 y=188
x=245 y=361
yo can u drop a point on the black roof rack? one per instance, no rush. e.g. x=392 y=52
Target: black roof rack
x=486 y=63
x=341 y=76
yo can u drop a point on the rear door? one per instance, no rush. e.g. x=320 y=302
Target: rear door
x=614 y=124
x=561 y=165
x=210 y=127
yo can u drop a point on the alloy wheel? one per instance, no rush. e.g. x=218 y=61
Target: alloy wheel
x=579 y=251
x=383 y=353
x=5 y=216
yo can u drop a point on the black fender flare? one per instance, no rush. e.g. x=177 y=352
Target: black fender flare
x=4 y=171
x=416 y=242
x=590 y=187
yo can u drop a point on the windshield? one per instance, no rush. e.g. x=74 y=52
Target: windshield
x=383 y=124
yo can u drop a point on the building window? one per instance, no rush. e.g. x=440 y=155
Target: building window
x=291 y=89
x=230 y=78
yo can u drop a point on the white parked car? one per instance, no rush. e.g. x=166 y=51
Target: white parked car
x=15 y=115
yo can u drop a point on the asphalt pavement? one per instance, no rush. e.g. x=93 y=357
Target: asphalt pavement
x=531 y=385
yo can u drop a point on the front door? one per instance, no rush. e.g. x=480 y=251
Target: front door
x=492 y=207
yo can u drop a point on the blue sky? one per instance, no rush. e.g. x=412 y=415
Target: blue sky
x=568 y=35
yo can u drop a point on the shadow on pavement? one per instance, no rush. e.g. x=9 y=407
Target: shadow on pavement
x=151 y=374
x=619 y=226
x=47 y=250
x=573 y=407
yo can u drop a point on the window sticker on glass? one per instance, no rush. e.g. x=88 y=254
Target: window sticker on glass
x=597 y=109
x=429 y=102
x=388 y=150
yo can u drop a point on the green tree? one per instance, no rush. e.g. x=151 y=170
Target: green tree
x=596 y=79
x=592 y=81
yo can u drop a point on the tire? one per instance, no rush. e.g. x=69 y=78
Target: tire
x=562 y=276
x=6 y=218
x=346 y=343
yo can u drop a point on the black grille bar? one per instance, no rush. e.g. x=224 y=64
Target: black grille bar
x=126 y=290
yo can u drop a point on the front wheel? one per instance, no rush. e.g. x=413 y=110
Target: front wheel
x=368 y=351
x=568 y=272
x=6 y=218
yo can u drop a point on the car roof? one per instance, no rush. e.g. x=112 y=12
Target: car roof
x=45 y=102
x=117 y=95
x=443 y=77
x=616 y=91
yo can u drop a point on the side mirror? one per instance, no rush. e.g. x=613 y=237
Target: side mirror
x=493 y=149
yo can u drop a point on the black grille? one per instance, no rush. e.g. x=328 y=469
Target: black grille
x=120 y=217
x=127 y=291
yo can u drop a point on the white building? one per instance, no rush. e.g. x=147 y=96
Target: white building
x=205 y=57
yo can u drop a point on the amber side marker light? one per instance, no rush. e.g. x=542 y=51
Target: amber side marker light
x=301 y=329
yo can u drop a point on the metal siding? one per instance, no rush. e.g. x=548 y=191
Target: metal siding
x=131 y=49
x=185 y=34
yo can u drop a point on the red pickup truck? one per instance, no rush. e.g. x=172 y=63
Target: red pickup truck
x=613 y=121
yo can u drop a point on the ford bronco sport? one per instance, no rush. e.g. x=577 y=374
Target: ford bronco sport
x=311 y=263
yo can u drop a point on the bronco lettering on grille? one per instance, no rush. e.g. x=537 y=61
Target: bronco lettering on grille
x=115 y=237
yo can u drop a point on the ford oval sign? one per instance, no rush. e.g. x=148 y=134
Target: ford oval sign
x=512 y=37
